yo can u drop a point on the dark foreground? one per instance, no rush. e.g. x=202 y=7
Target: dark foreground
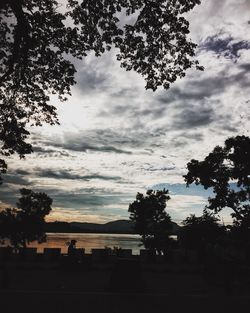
x=101 y=302
x=123 y=286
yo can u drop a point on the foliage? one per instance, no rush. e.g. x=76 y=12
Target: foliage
x=198 y=232
x=39 y=40
x=227 y=171
x=3 y=169
x=151 y=220
x=25 y=223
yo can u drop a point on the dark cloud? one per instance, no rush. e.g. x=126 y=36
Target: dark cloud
x=78 y=142
x=10 y=189
x=83 y=147
x=132 y=112
x=127 y=104
x=230 y=128
x=20 y=172
x=183 y=139
x=63 y=174
x=198 y=91
x=192 y=136
x=17 y=177
x=126 y=141
x=8 y=195
x=194 y=97
x=115 y=110
x=195 y=105
x=92 y=76
x=81 y=201
x=124 y=93
x=100 y=140
x=152 y=168
x=90 y=80
x=179 y=142
x=93 y=200
x=49 y=152
x=194 y=117
x=16 y=180
x=245 y=67
x=89 y=200
x=225 y=45
x=202 y=117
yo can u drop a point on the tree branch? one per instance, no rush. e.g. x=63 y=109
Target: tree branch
x=21 y=35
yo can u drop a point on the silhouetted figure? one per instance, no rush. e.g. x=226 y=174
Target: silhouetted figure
x=72 y=251
x=72 y=248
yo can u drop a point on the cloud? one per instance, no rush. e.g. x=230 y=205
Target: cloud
x=49 y=152
x=91 y=80
x=157 y=168
x=71 y=215
x=133 y=112
x=82 y=147
x=16 y=180
x=84 y=200
x=180 y=206
x=3 y=206
x=193 y=117
x=69 y=175
x=84 y=143
x=19 y=171
x=9 y=194
x=93 y=74
x=83 y=204
x=224 y=45
x=113 y=141
x=212 y=83
x=16 y=177
x=196 y=136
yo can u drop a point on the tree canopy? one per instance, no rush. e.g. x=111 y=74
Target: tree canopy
x=151 y=220
x=199 y=231
x=39 y=40
x=227 y=171
x=26 y=222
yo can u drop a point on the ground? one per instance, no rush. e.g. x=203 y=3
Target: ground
x=49 y=287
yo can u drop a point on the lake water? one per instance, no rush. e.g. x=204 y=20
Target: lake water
x=90 y=241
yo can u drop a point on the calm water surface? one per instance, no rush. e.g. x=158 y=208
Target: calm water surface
x=90 y=241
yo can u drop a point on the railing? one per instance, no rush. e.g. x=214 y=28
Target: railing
x=175 y=256
x=96 y=255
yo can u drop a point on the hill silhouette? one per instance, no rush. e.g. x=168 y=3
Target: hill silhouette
x=119 y=227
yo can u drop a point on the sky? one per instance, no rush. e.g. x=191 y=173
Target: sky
x=116 y=139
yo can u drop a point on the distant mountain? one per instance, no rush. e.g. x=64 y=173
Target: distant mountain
x=119 y=226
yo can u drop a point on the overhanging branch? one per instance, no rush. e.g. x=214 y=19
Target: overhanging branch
x=21 y=37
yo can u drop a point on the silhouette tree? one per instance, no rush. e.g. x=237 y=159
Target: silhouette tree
x=39 y=39
x=151 y=220
x=227 y=171
x=3 y=169
x=198 y=232
x=25 y=223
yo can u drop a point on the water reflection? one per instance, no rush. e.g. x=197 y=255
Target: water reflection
x=90 y=241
